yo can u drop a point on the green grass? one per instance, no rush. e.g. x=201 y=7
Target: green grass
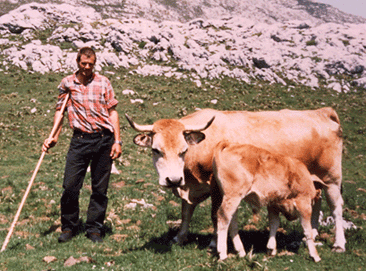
x=139 y=239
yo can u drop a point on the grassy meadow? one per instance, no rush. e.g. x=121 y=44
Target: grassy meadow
x=141 y=217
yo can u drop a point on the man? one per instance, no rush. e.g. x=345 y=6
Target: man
x=96 y=141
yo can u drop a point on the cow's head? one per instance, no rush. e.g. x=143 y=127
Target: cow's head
x=169 y=140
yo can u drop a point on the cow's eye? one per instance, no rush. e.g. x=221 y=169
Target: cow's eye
x=183 y=153
x=156 y=152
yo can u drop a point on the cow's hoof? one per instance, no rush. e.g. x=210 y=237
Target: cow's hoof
x=338 y=249
x=178 y=241
x=212 y=250
x=212 y=247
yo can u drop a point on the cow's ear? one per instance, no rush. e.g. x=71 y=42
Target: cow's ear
x=193 y=138
x=143 y=140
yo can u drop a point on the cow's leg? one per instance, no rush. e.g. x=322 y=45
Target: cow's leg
x=333 y=179
x=187 y=212
x=224 y=218
x=274 y=223
x=304 y=208
x=234 y=234
x=315 y=217
x=335 y=202
x=216 y=200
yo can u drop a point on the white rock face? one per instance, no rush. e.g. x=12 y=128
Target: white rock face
x=306 y=51
x=41 y=16
x=268 y=11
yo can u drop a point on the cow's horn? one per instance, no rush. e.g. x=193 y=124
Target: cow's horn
x=198 y=128
x=137 y=127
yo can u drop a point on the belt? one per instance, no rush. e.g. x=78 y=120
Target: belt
x=78 y=133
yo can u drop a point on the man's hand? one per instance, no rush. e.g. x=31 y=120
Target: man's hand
x=116 y=148
x=116 y=151
x=49 y=143
x=52 y=140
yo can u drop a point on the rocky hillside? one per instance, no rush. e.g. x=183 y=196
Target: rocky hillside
x=273 y=40
x=268 y=11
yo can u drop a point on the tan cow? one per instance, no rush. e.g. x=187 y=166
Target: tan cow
x=184 y=164
x=261 y=178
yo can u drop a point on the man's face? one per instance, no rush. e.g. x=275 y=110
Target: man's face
x=86 y=65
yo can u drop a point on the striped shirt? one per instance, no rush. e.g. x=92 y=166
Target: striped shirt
x=88 y=105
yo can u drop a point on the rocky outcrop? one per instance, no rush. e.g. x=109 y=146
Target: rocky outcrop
x=43 y=38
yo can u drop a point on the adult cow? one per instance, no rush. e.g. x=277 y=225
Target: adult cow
x=312 y=136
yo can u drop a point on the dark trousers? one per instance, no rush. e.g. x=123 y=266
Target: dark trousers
x=85 y=149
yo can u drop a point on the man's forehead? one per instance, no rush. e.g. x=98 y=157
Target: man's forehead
x=87 y=58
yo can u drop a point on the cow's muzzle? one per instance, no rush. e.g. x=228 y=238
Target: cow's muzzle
x=174 y=182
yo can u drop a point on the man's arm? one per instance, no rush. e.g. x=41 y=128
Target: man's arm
x=116 y=148
x=51 y=141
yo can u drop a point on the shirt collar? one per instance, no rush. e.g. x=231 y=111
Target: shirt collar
x=76 y=80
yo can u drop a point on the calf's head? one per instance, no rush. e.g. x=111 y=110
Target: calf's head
x=169 y=140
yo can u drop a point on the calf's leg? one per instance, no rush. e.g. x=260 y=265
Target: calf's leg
x=304 y=208
x=234 y=234
x=274 y=223
x=224 y=218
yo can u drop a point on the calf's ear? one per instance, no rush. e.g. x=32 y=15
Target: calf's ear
x=193 y=138
x=143 y=140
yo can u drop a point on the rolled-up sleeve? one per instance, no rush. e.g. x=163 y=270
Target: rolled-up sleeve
x=110 y=97
x=63 y=90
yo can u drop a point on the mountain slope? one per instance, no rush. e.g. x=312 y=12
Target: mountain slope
x=268 y=11
x=45 y=37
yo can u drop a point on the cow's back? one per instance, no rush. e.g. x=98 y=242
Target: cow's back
x=306 y=135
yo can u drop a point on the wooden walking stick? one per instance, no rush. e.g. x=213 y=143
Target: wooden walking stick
x=33 y=177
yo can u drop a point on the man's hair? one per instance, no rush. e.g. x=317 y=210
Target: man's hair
x=87 y=51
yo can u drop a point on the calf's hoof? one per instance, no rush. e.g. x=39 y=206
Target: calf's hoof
x=338 y=249
x=271 y=252
x=316 y=259
x=222 y=257
x=242 y=254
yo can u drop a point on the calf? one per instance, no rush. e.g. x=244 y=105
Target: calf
x=261 y=178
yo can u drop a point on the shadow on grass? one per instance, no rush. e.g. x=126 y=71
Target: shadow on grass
x=257 y=239
x=106 y=230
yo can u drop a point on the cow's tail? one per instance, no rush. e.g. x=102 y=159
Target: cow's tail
x=331 y=114
x=318 y=184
